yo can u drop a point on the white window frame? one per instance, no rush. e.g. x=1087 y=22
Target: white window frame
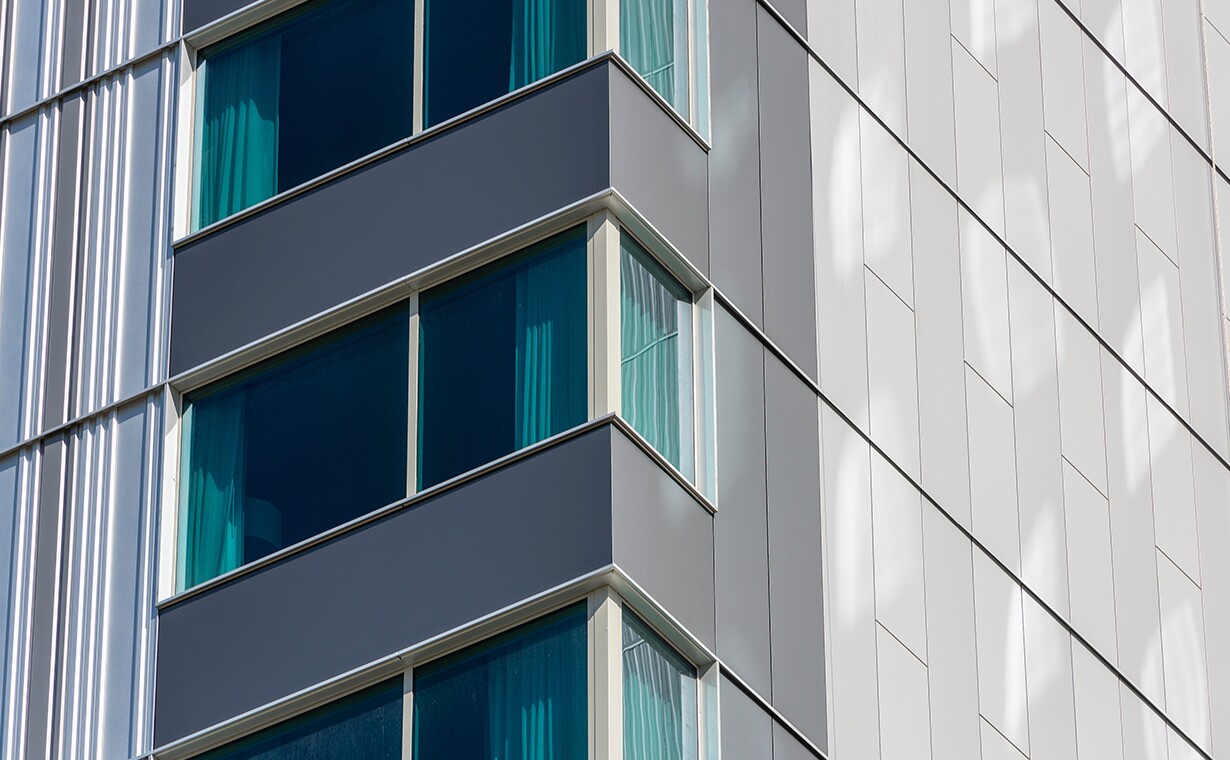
x=602 y=36
x=605 y=606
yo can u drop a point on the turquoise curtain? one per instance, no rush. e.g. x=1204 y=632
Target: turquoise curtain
x=532 y=693
x=546 y=37
x=659 y=697
x=213 y=541
x=239 y=128
x=655 y=355
x=550 y=335
x=653 y=37
x=520 y=696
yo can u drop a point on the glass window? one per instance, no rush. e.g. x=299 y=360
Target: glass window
x=294 y=446
x=653 y=37
x=520 y=696
x=502 y=358
x=365 y=725
x=476 y=52
x=659 y=697
x=301 y=95
x=656 y=354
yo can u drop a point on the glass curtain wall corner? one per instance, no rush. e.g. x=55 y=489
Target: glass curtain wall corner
x=320 y=435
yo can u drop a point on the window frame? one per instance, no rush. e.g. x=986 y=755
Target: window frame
x=603 y=35
x=603 y=229
x=607 y=597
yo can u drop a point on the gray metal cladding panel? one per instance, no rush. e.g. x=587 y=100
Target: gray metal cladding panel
x=391 y=218
x=792 y=424
x=734 y=161
x=747 y=730
x=741 y=527
x=662 y=171
x=786 y=203
x=393 y=583
x=62 y=261
x=46 y=583
x=198 y=13
x=662 y=538
x=786 y=747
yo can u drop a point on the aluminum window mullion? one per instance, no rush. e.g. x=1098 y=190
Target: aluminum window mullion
x=604 y=317
x=419 y=58
x=412 y=401
x=606 y=676
x=407 y=714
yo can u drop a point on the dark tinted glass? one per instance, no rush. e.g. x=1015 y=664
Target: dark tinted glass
x=520 y=696
x=295 y=446
x=300 y=95
x=365 y=725
x=478 y=50
x=502 y=358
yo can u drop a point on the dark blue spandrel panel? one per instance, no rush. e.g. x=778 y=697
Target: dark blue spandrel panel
x=364 y=726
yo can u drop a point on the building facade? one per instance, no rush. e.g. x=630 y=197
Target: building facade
x=615 y=378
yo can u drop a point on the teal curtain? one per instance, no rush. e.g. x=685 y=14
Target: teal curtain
x=655 y=355
x=214 y=531
x=659 y=697
x=519 y=696
x=239 y=128
x=550 y=334
x=531 y=693
x=653 y=37
x=547 y=35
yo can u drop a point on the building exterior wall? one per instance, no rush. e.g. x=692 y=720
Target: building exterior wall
x=973 y=438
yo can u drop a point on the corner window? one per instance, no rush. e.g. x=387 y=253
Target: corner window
x=476 y=52
x=298 y=96
x=656 y=354
x=503 y=356
x=330 y=81
x=522 y=695
x=469 y=371
x=534 y=692
x=294 y=446
x=660 y=710
x=365 y=725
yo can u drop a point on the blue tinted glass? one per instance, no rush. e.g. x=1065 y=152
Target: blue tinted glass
x=659 y=697
x=478 y=51
x=520 y=696
x=301 y=95
x=656 y=354
x=365 y=725
x=653 y=37
x=502 y=358
x=295 y=446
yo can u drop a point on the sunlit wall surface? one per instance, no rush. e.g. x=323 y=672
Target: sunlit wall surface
x=968 y=268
